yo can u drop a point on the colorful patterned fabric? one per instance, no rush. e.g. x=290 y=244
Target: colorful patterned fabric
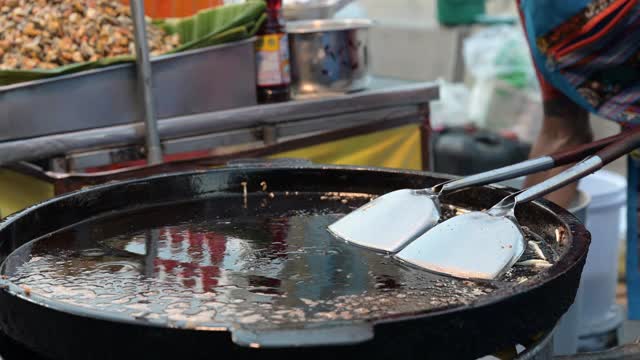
x=590 y=51
x=633 y=239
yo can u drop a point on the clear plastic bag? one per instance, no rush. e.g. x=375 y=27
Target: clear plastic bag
x=505 y=95
x=500 y=52
x=452 y=107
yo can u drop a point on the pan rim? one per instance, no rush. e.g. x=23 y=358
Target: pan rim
x=575 y=252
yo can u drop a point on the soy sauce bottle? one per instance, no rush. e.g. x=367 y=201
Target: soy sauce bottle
x=272 y=57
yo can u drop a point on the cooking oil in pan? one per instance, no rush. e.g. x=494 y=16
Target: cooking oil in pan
x=216 y=263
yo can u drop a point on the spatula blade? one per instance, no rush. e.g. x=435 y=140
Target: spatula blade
x=475 y=245
x=390 y=221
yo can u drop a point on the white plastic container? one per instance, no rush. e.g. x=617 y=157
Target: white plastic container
x=599 y=313
x=567 y=332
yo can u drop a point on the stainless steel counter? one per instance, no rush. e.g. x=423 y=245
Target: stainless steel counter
x=196 y=81
x=402 y=104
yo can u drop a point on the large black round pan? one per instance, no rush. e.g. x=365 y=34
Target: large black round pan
x=506 y=317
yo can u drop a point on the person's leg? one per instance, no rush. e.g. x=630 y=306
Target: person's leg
x=564 y=126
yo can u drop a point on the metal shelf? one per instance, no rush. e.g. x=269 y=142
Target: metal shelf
x=398 y=104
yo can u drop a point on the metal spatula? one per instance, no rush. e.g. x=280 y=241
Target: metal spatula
x=393 y=220
x=485 y=244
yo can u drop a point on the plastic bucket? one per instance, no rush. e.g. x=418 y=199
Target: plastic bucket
x=599 y=314
x=567 y=331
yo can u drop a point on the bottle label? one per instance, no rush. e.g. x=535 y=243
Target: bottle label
x=272 y=57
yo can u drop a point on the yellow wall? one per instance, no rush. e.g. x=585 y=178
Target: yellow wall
x=19 y=191
x=395 y=148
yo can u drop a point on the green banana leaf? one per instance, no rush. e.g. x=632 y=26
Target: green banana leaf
x=207 y=28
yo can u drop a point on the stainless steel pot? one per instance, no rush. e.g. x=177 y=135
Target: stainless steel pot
x=312 y=9
x=329 y=57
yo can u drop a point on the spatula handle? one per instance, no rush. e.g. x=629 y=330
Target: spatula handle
x=534 y=165
x=501 y=174
x=620 y=148
x=628 y=143
x=576 y=172
x=579 y=153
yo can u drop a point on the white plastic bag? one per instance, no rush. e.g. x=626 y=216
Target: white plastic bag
x=500 y=52
x=451 y=108
x=505 y=95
